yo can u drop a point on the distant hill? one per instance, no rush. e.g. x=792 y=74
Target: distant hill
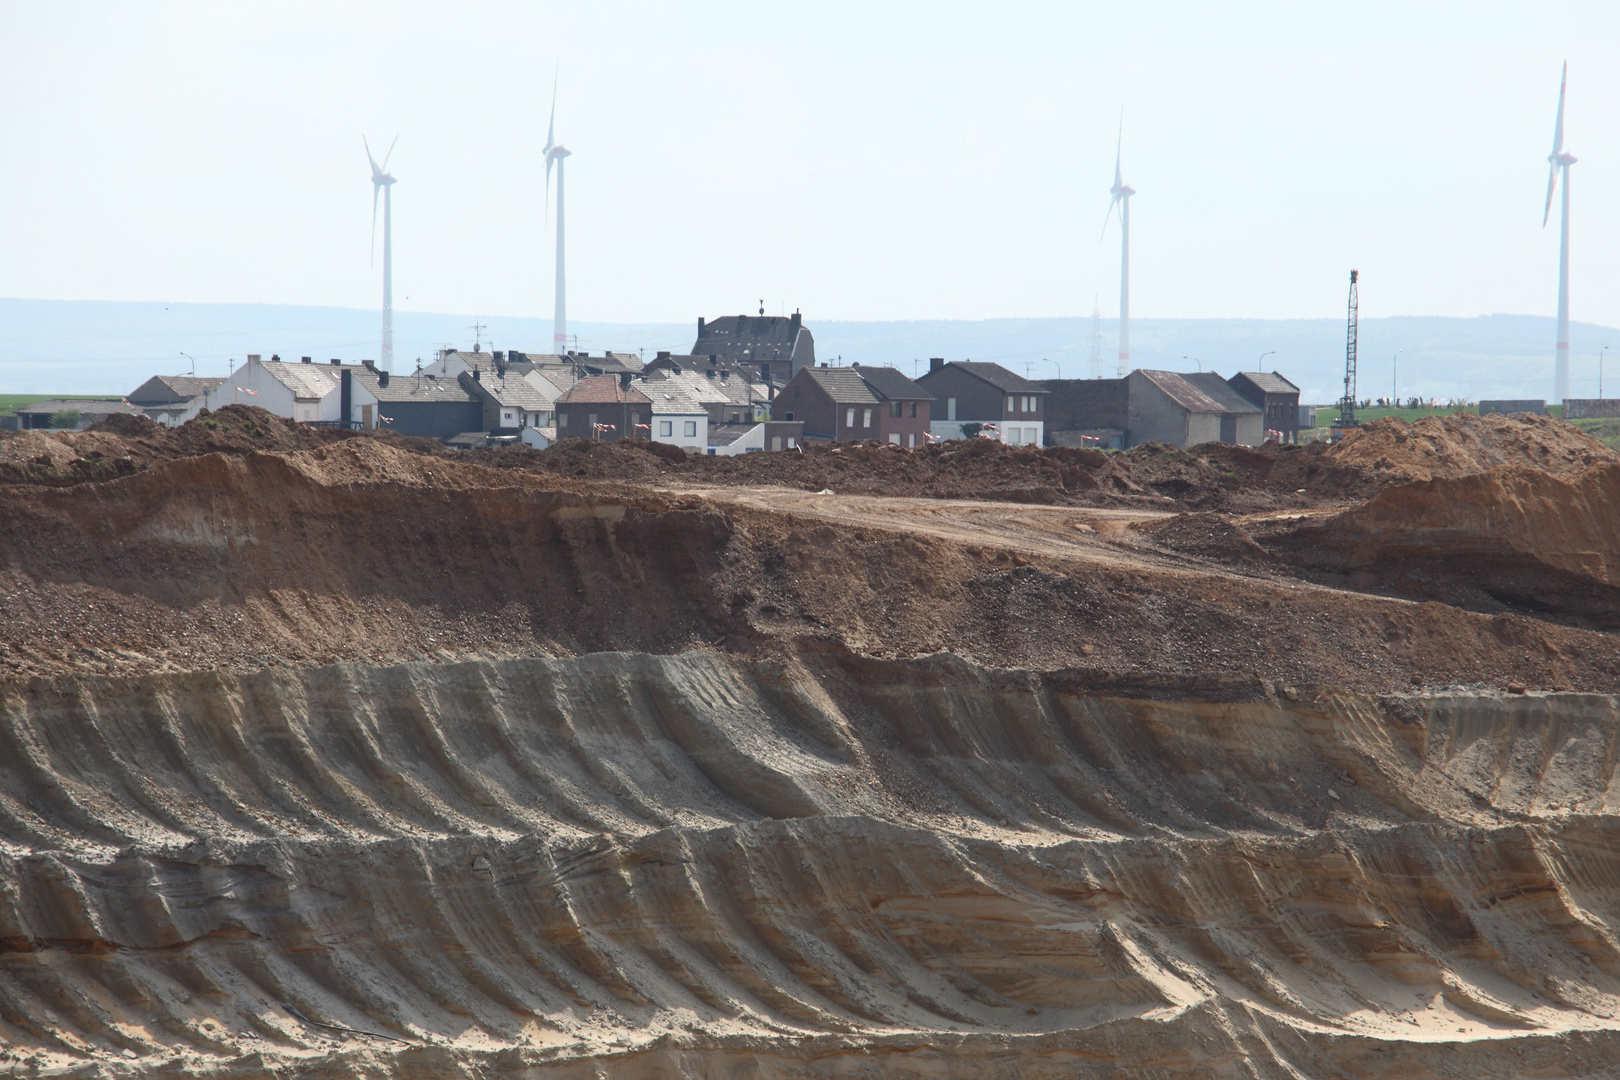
x=62 y=346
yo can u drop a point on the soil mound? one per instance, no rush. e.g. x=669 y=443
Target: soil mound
x=1520 y=537
x=630 y=866
x=124 y=444
x=1465 y=444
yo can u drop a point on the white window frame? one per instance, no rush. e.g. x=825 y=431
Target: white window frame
x=691 y=429
x=866 y=418
x=849 y=418
x=666 y=428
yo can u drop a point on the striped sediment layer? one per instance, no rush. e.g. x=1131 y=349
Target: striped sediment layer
x=627 y=865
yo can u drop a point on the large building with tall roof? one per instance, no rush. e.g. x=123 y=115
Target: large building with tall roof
x=777 y=345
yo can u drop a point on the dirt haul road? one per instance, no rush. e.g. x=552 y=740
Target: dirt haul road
x=348 y=760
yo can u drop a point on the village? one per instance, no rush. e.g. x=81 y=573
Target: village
x=751 y=383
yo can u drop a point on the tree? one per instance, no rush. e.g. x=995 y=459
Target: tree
x=67 y=418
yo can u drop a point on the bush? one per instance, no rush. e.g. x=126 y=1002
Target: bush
x=67 y=418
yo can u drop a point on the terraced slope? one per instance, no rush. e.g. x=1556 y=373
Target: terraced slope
x=627 y=865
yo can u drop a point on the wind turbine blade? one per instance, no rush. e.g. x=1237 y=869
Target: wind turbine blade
x=1111 y=204
x=1552 y=185
x=1558 y=129
x=551 y=127
x=390 y=153
x=375 y=172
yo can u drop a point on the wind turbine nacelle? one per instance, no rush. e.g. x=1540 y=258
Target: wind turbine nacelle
x=559 y=152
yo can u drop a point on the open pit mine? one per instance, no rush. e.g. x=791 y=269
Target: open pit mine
x=342 y=755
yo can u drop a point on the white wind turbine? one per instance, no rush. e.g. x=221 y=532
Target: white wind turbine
x=1122 y=193
x=554 y=156
x=1560 y=160
x=382 y=183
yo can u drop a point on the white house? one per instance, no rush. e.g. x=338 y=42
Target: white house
x=677 y=415
x=307 y=392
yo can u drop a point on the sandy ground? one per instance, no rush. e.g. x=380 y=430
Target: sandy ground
x=627 y=865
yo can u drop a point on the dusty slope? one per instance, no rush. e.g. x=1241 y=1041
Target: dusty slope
x=631 y=866
x=360 y=551
x=1515 y=536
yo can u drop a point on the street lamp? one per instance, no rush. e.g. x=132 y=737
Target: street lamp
x=1600 y=372
x=1195 y=360
x=1259 y=365
x=194 y=366
x=1057 y=365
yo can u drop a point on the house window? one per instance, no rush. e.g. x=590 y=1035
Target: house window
x=894 y=437
x=914 y=410
x=895 y=407
x=789 y=415
x=1027 y=407
x=849 y=417
x=1011 y=402
x=792 y=442
x=666 y=428
x=690 y=429
x=562 y=420
x=950 y=408
x=593 y=421
x=776 y=442
x=866 y=418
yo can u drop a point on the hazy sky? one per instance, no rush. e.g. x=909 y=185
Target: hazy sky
x=858 y=161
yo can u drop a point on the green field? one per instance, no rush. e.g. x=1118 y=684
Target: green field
x=1606 y=431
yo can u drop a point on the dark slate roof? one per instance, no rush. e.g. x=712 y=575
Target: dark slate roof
x=1221 y=391
x=998 y=377
x=172 y=389
x=729 y=331
x=1268 y=381
x=602 y=390
x=610 y=363
x=843 y=384
x=891 y=385
x=416 y=388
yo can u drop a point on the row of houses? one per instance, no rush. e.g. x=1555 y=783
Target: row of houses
x=749 y=384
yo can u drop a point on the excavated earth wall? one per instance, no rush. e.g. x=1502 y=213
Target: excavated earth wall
x=624 y=865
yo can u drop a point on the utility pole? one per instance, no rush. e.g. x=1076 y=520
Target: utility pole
x=1394 y=378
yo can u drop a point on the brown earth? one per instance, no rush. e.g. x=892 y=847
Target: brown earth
x=1212 y=477
x=1512 y=537
x=333 y=754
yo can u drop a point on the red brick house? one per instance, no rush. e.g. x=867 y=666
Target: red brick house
x=853 y=403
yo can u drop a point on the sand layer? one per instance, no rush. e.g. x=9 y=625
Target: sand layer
x=627 y=865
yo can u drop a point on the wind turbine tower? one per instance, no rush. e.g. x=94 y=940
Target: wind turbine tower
x=1560 y=160
x=1122 y=193
x=555 y=155
x=382 y=183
